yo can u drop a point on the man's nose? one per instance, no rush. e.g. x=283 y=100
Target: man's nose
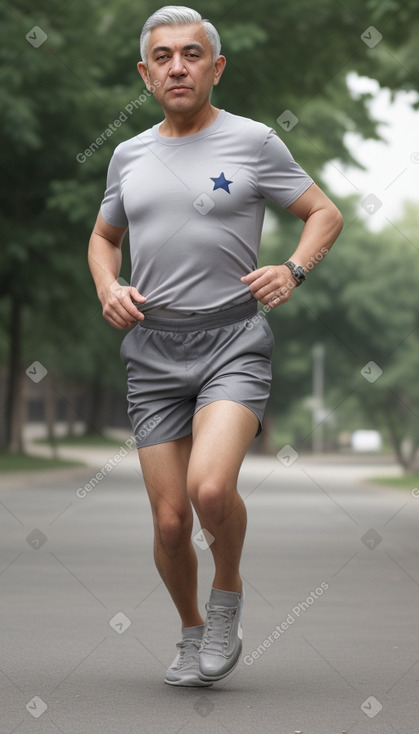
x=177 y=67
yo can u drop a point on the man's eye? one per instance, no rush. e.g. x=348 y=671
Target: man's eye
x=193 y=56
x=160 y=58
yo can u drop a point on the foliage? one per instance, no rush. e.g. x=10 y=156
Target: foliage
x=25 y=462
x=59 y=99
x=361 y=304
x=407 y=481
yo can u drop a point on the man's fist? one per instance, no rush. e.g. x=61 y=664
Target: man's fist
x=118 y=305
x=271 y=285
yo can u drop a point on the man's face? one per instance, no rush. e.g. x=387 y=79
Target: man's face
x=181 y=59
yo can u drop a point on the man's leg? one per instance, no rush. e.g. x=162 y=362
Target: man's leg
x=164 y=467
x=222 y=433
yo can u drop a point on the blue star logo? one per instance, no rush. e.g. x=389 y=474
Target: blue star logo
x=221 y=183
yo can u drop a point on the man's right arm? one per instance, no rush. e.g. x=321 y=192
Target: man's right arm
x=105 y=257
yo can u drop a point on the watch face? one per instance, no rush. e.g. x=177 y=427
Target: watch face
x=297 y=272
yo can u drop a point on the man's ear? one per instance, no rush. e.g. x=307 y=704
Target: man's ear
x=219 y=67
x=143 y=71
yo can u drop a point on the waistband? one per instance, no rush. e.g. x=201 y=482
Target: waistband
x=205 y=321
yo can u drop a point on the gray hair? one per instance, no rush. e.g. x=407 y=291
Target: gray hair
x=177 y=15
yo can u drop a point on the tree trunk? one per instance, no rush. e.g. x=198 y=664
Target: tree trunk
x=71 y=408
x=15 y=404
x=49 y=412
x=267 y=443
x=97 y=418
x=3 y=387
x=396 y=440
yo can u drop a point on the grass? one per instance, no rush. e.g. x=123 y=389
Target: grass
x=82 y=440
x=26 y=462
x=407 y=481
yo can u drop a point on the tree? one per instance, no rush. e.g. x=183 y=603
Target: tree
x=44 y=283
x=361 y=304
x=64 y=101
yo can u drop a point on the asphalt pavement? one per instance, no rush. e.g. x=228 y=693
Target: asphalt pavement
x=331 y=639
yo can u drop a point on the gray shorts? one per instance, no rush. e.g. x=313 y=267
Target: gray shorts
x=176 y=366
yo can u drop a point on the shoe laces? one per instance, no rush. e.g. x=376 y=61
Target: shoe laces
x=218 y=626
x=187 y=647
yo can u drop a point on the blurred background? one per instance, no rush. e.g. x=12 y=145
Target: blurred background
x=346 y=360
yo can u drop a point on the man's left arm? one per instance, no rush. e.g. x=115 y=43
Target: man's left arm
x=274 y=284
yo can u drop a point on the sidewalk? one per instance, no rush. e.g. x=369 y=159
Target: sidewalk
x=354 y=467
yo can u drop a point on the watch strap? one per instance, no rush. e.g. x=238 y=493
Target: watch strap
x=297 y=272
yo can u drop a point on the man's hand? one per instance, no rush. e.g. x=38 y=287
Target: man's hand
x=274 y=284
x=271 y=285
x=118 y=305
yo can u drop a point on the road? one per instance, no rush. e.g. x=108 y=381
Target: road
x=331 y=643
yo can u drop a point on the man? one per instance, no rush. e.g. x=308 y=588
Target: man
x=192 y=193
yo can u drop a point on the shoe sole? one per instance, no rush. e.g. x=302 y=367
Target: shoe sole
x=191 y=684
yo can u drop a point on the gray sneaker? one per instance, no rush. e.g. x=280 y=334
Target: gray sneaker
x=184 y=671
x=222 y=641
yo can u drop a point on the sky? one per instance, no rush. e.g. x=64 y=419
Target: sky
x=392 y=165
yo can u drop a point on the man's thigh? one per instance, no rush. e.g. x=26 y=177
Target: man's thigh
x=222 y=432
x=164 y=467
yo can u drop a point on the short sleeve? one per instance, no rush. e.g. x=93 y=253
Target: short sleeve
x=112 y=208
x=280 y=178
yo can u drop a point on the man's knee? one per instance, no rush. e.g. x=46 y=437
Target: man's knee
x=172 y=528
x=210 y=498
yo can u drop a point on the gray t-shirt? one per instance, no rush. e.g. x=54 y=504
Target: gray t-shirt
x=195 y=206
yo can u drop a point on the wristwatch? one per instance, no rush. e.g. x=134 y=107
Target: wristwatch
x=297 y=272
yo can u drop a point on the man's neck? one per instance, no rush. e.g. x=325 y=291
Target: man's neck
x=180 y=125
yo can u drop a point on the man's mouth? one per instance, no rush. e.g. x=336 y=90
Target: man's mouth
x=179 y=88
